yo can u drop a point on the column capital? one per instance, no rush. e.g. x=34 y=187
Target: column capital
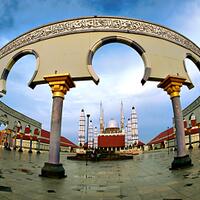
x=172 y=85
x=59 y=83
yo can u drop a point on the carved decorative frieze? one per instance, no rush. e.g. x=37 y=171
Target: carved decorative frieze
x=98 y=24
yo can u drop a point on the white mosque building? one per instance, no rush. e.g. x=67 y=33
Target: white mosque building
x=111 y=137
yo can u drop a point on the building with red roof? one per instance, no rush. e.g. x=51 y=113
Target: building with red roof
x=42 y=139
x=112 y=138
x=167 y=138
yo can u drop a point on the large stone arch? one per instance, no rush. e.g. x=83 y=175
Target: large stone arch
x=194 y=59
x=65 y=50
x=64 y=47
x=14 y=59
x=123 y=40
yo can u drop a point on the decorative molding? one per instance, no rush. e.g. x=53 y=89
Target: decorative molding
x=59 y=83
x=19 y=116
x=102 y=24
x=172 y=85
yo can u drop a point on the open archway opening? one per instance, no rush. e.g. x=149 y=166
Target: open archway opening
x=20 y=73
x=122 y=40
x=120 y=69
x=193 y=69
x=20 y=97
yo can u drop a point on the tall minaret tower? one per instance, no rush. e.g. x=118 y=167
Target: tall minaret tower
x=122 y=117
x=134 y=126
x=101 y=119
x=81 y=132
x=129 y=134
x=95 y=138
x=90 y=135
x=126 y=136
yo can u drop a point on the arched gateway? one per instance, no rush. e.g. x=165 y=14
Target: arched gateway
x=64 y=52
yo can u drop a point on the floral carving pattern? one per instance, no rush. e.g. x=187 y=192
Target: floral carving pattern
x=98 y=24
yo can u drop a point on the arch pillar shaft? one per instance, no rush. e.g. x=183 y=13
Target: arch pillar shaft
x=172 y=85
x=60 y=84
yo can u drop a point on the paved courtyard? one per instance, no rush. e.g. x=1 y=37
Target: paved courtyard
x=147 y=176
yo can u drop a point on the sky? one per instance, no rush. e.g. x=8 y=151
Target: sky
x=119 y=67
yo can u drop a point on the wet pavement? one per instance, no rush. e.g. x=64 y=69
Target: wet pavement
x=147 y=176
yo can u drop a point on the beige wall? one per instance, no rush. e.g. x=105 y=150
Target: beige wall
x=63 y=48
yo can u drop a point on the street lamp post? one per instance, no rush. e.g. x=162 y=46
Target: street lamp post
x=88 y=116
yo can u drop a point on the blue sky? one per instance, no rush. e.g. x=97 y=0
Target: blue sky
x=119 y=67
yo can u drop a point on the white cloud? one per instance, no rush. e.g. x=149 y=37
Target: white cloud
x=119 y=68
x=189 y=21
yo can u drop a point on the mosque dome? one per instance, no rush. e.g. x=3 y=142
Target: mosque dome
x=112 y=124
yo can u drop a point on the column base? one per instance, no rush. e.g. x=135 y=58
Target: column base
x=30 y=151
x=190 y=147
x=38 y=152
x=175 y=149
x=8 y=148
x=14 y=148
x=181 y=162
x=199 y=146
x=20 y=150
x=53 y=170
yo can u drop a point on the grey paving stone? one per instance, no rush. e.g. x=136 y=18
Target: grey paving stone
x=147 y=176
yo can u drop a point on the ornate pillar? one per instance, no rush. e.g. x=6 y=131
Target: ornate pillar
x=60 y=84
x=172 y=85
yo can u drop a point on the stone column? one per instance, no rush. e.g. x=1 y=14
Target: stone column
x=21 y=143
x=31 y=142
x=38 y=146
x=14 y=141
x=190 y=138
x=60 y=84
x=9 y=140
x=172 y=85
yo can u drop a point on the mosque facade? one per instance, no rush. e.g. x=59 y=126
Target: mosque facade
x=111 y=137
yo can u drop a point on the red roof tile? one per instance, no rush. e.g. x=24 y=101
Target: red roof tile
x=45 y=134
x=140 y=143
x=165 y=135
